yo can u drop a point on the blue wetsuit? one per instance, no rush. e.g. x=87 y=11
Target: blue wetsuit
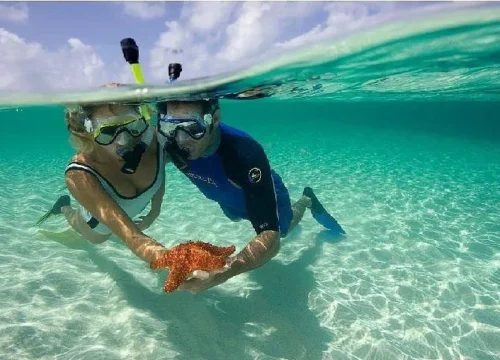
x=238 y=176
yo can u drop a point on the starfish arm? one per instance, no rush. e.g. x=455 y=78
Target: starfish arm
x=176 y=277
x=213 y=263
x=217 y=250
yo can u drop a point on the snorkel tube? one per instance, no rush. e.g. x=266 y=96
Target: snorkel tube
x=174 y=71
x=131 y=54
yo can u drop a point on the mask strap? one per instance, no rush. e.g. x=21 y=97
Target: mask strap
x=209 y=122
x=87 y=123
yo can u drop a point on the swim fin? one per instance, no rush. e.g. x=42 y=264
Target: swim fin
x=320 y=214
x=56 y=208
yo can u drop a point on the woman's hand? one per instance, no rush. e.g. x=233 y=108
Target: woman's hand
x=146 y=221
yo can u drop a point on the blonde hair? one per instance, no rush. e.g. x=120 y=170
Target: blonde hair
x=79 y=138
x=75 y=117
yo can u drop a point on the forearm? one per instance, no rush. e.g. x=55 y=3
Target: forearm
x=141 y=245
x=124 y=228
x=90 y=194
x=144 y=247
x=259 y=251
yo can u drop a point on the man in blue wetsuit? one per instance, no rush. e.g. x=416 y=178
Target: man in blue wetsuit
x=230 y=167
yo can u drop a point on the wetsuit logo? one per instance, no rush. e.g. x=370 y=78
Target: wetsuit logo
x=206 y=179
x=254 y=175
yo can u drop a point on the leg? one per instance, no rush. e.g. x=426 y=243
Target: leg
x=74 y=219
x=78 y=223
x=320 y=214
x=298 y=210
x=289 y=215
x=56 y=208
x=71 y=217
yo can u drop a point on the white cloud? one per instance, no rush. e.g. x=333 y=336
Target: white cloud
x=207 y=16
x=27 y=66
x=144 y=10
x=247 y=33
x=192 y=39
x=214 y=37
x=178 y=44
x=344 y=17
x=14 y=13
x=207 y=38
x=125 y=75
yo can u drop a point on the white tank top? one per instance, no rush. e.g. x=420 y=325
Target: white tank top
x=133 y=205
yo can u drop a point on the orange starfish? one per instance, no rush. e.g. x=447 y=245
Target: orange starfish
x=185 y=258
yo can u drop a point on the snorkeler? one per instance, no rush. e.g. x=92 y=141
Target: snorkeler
x=230 y=167
x=119 y=168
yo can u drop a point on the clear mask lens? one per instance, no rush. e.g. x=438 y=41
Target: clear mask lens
x=106 y=134
x=193 y=127
x=123 y=139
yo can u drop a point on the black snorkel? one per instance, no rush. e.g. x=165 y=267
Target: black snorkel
x=130 y=51
x=132 y=158
x=174 y=71
x=177 y=155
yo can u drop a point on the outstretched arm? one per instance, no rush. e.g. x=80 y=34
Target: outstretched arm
x=262 y=208
x=257 y=183
x=89 y=193
x=258 y=251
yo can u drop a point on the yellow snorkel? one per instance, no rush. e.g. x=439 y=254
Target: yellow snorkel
x=131 y=54
x=132 y=157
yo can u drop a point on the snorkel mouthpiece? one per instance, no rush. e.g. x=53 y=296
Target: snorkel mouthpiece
x=179 y=156
x=132 y=158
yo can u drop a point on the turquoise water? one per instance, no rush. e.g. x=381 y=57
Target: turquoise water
x=414 y=183
x=416 y=278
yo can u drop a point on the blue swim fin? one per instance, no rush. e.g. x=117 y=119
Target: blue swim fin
x=320 y=214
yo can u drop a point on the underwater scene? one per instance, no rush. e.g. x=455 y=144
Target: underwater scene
x=394 y=126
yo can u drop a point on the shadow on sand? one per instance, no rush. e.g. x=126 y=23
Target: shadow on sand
x=274 y=320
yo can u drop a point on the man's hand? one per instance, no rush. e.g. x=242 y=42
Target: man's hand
x=258 y=252
x=197 y=285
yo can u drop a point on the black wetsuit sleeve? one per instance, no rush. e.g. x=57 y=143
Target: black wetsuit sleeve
x=257 y=183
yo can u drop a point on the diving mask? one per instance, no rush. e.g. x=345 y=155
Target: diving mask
x=123 y=130
x=106 y=130
x=192 y=126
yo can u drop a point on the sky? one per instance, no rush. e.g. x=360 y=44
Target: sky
x=76 y=45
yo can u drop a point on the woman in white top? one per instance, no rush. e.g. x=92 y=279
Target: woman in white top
x=119 y=168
